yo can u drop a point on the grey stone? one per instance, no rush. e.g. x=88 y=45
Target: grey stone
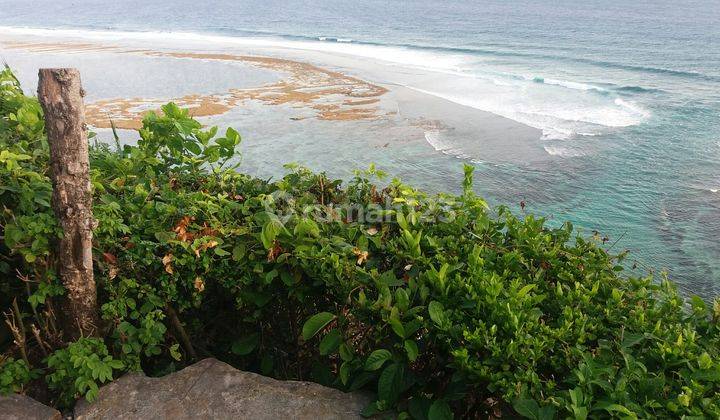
x=20 y=407
x=211 y=389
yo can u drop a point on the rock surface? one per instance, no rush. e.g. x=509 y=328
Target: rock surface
x=211 y=389
x=20 y=407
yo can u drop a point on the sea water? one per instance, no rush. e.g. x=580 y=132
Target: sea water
x=626 y=96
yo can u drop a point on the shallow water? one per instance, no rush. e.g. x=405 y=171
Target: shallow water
x=626 y=95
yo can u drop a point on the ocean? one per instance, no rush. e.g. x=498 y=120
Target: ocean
x=625 y=97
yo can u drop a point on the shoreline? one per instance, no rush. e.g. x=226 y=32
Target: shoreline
x=335 y=96
x=310 y=90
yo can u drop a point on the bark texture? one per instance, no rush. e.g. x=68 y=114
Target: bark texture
x=60 y=95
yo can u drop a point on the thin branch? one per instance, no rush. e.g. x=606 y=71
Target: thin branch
x=36 y=333
x=177 y=325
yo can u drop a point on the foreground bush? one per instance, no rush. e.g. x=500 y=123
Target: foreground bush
x=439 y=305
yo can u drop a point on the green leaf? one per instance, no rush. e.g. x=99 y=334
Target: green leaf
x=412 y=327
x=330 y=343
x=370 y=410
x=613 y=408
x=175 y=353
x=193 y=147
x=270 y=231
x=307 y=227
x=440 y=410
x=390 y=383
x=468 y=179
x=401 y=220
x=705 y=361
x=362 y=379
x=377 y=359
x=437 y=313
x=525 y=290
x=632 y=339
x=402 y=299
x=527 y=408
x=397 y=327
x=165 y=236
x=221 y=252
x=419 y=407
x=245 y=345
x=411 y=349
x=546 y=413
x=238 y=252
x=346 y=353
x=266 y=364
x=316 y=323
x=344 y=372
x=232 y=135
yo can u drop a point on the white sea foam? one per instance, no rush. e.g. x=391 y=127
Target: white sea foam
x=342 y=46
x=332 y=39
x=434 y=138
x=559 y=117
x=561 y=151
x=634 y=108
x=565 y=83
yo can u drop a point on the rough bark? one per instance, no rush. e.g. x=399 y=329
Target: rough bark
x=60 y=95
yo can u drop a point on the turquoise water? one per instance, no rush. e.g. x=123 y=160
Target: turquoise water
x=627 y=95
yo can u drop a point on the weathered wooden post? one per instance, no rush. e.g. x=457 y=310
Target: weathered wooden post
x=60 y=95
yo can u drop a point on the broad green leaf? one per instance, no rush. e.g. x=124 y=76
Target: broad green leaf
x=527 y=408
x=524 y=291
x=632 y=339
x=440 y=410
x=437 y=313
x=307 y=227
x=316 y=323
x=370 y=410
x=418 y=406
x=193 y=147
x=377 y=359
x=402 y=221
x=245 y=345
x=402 y=299
x=397 y=327
x=546 y=413
x=705 y=361
x=270 y=231
x=411 y=349
x=331 y=342
x=238 y=252
x=390 y=383
x=221 y=252
x=344 y=372
x=614 y=408
x=362 y=379
x=346 y=353
x=232 y=135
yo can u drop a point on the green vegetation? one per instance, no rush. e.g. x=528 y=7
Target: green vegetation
x=439 y=305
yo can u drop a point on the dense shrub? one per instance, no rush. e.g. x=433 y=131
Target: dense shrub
x=438 y=304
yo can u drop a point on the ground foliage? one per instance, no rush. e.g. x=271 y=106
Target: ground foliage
x=438 y=304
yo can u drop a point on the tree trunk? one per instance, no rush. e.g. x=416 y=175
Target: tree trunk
x=61 y=95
